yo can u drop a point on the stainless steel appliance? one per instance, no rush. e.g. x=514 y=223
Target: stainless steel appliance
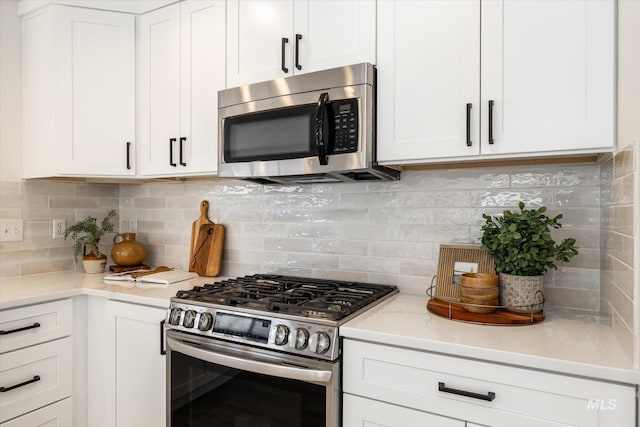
x=260 y=351
x=315 y=127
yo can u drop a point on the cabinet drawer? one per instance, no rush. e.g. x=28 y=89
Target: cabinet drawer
x=34 y=324
x=34 y=377
x=57 y=414
x=514 y=396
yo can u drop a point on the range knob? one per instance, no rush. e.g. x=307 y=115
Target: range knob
x=319 y=342
x=282 y=335
x=300 y=339
x=205 y=322
x=174 y=316
x=189 y=319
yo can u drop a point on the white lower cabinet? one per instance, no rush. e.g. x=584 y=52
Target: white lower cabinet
x=59 y=414
x=359 y=411
x=36 y=354
x=126 y=367
x=381 y=380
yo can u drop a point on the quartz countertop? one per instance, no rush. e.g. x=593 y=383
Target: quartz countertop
x=565 y=342
x=39 y=288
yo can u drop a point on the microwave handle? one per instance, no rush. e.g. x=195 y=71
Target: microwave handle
x=320 y=134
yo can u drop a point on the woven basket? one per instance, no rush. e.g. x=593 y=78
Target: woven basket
x=522 y=294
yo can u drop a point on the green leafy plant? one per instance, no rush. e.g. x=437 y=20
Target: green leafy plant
x=522 y=243
x=87 y=234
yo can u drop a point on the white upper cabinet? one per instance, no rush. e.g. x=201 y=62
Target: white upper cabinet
x=78 y=71
x=549 y=69
x=546 y=68
x=182 y=67
x=280 y=38
x=428 y=79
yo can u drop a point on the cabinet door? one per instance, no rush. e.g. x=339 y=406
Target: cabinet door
x=95 y=92
x=334 y=33
x=549 y=69
x=159 y=64
x=361 y=412
x=135 y=344
x=254 y=46
x=202 y=76
x=428 y=72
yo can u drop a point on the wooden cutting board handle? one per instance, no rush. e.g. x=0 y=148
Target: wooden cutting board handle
x=195 y=229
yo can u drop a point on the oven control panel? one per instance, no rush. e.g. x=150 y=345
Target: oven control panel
x=302 y=337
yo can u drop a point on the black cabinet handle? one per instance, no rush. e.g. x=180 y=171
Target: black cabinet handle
x=488 y=397
x=469 y=143
x=491 y=121
x=298 y=38
x=171 y=162
x=128 y=155
x=320 y=135
x=11 y=331
x=163 y=349
x=284 y=42
x=33 y=380
x=182 y=140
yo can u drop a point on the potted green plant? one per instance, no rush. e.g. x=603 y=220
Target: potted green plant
x=524 y=250
x=86 y=235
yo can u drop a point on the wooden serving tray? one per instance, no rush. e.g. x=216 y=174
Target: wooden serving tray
x=501 y=316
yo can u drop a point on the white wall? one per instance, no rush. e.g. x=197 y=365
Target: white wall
x=10 y=93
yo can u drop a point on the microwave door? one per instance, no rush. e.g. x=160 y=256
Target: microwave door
x=277 y=134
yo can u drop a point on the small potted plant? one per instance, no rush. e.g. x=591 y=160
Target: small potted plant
x=524 y=250
x=87 y=234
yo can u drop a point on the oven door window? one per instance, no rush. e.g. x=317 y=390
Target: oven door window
x=283 y=133
x=211 y=395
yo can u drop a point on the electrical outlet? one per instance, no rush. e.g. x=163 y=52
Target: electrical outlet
x=133 y=225
x=11 y=230
x=59 y=225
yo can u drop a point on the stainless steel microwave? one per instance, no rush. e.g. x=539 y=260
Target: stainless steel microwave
x=314 y=127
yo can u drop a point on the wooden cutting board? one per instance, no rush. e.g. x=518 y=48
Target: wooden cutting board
x=195 y=229
x=207 y=254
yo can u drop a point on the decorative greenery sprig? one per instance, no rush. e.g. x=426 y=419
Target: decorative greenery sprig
x=87 y=234
x=522 y=243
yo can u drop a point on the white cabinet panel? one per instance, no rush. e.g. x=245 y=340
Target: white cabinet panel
x=484 y=393
x=428 y=71
x=78 y=93
x=361 y=412
x=182 y=51
x=34 y=377
x=327 y=34
x=35 y=324
x=59 y=414
x=549 y=67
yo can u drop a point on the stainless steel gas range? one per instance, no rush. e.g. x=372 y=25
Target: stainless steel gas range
x=260 y=350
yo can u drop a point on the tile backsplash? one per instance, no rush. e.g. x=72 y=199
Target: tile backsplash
x=386 y=232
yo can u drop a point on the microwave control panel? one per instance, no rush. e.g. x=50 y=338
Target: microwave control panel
x=345 y=114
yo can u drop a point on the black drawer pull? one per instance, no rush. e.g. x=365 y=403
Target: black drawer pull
x=171 y=162
x=489 y=396
x=491 y=121
x=298 y=38
x=128 y=155
x=11 y=331
x=33 y=380
x=282 y=49
x=469 y=143
x=182 y=141
x=163 y=348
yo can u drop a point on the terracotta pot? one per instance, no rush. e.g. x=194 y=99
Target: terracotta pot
x=127 y=251
x=94 y=264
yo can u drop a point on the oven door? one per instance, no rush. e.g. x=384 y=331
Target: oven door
x=213 y=383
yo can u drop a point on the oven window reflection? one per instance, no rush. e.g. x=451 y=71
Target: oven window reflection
x=206 y=394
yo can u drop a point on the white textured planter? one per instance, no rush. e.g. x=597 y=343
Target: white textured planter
x=522 y=294
x=93 y=266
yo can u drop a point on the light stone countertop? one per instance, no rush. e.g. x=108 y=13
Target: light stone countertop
x=564 y=342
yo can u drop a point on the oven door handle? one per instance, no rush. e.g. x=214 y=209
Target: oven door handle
x=290 y=372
